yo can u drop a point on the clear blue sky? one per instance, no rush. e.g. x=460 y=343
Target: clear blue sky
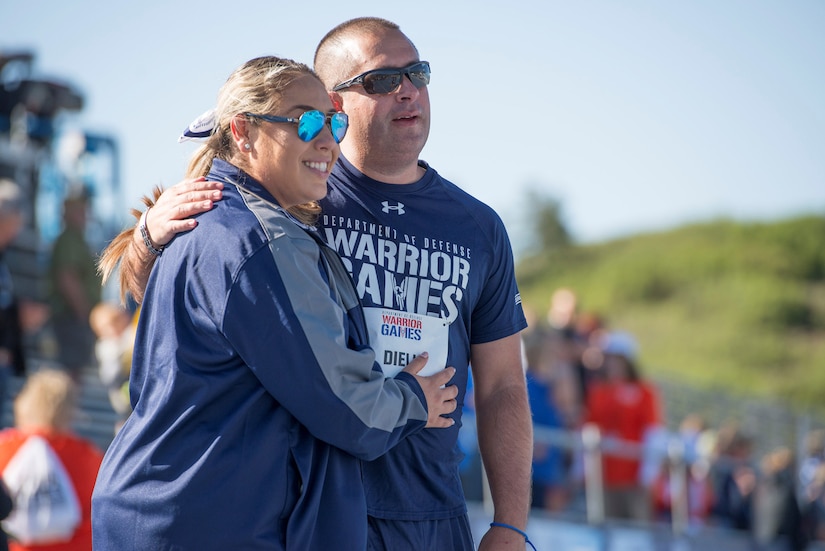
x=636 y=114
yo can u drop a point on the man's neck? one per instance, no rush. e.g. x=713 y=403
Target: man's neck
x=408 y=172
x=407 y=176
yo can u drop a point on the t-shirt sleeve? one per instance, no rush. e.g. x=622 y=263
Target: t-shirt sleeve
x=498 y=313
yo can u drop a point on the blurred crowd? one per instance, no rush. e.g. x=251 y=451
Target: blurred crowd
x=48 y=471
x=584 y=378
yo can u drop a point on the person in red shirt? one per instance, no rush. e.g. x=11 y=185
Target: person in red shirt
x=44 y=408
x=626 y=409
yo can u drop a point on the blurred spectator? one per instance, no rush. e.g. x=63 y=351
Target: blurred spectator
x=590 y=331
x=809 y=465
x=44 y=408
x=553 y=357
x=532 y=337
x=626 y=410
x=561 y=315
x=777 y=519
x=75 y=287
x=734 y=478
x=565 y=338
x=693 y=486
x=12 y=356
x=813 y=506
x=548 y=382
x=115 y=328
x=579 y=328
x=684 y=477
x=693 y=431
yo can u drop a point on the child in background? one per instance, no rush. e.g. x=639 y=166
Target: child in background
x=115 y=331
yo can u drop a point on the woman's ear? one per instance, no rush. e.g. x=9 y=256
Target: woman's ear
x=240 y=127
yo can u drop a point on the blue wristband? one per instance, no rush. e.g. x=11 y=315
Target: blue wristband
x=514 y=529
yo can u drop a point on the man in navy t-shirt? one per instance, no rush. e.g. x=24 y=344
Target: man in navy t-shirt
x=434 y=270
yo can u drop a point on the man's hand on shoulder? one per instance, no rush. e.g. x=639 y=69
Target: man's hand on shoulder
x=173 y=211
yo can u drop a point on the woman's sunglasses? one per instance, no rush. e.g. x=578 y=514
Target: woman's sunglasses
x=386 y=81
x=310 y=124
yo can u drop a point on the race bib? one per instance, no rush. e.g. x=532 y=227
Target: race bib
x=398 y=337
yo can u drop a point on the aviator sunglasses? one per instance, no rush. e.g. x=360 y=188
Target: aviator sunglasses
x=310 y=124
x=386 y=81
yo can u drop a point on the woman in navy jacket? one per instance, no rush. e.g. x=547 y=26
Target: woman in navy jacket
x=253 y=386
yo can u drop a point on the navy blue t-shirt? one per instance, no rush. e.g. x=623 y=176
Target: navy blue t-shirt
x=433 y=267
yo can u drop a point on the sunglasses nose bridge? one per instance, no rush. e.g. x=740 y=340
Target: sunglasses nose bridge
x=326 y=133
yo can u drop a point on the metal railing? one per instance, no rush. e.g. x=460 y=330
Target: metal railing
x=596 y=531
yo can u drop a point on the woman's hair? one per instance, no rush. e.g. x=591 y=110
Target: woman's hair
x=47 y=400
x=256 y=86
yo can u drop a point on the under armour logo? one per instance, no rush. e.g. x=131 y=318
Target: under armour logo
x=399 y=208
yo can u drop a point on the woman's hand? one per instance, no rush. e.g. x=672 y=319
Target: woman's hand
x=441 y=399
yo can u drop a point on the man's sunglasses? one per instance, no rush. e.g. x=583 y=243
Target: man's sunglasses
x=310 y=124
x=386 y=81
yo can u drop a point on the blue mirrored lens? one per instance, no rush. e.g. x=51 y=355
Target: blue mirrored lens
x=312 y=122
x=310 y=125
x=338 y=123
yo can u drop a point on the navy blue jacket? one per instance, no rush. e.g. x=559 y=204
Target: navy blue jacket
x=250 y=365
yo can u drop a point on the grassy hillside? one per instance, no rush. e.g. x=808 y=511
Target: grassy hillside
x=739 y=306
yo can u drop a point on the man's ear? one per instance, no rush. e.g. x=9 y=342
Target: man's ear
x=337 y=101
